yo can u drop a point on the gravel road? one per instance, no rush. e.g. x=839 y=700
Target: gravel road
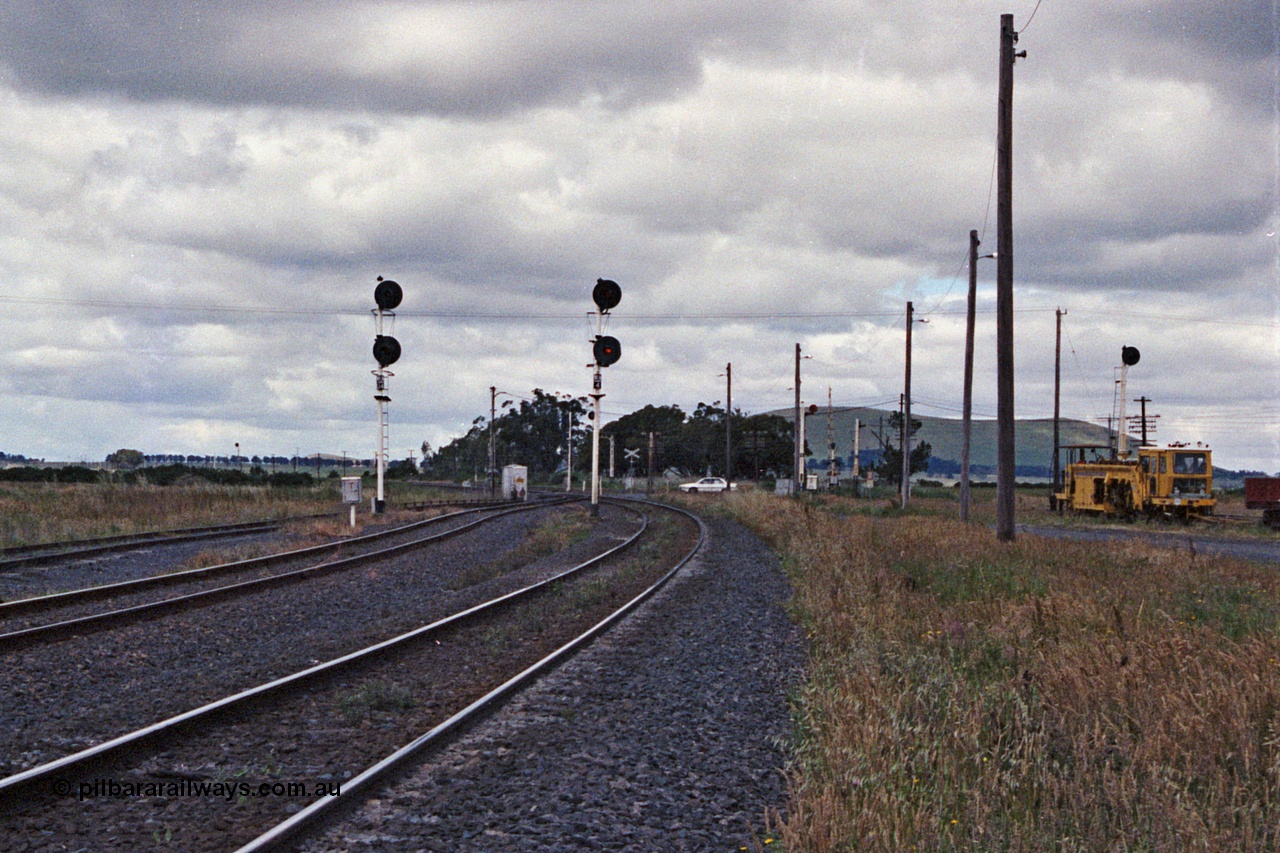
x=1202 y=540
x=667 y=734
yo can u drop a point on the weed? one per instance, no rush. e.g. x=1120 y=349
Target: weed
x=376 y=695
x=554 y=534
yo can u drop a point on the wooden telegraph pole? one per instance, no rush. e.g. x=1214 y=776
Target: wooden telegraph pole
x=967 y=406
x=905 y=444
x=1005 y=470
x=1057 y=388
x=728 y=423
x=799 y=452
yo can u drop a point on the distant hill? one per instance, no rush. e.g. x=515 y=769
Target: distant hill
x=1033 y=439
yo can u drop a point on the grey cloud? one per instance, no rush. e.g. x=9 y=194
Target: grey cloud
x=484 y=59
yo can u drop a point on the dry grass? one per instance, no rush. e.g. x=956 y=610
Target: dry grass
x=1041 y=695
x=46 y=512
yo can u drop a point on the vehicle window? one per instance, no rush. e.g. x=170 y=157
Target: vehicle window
x=1189 y=463
x=1187 y=486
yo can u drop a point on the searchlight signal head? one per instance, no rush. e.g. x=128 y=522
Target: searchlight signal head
x=386 y=350
x=387 y=294
x=606 y=294
x=1129 y=356
x=607 y=350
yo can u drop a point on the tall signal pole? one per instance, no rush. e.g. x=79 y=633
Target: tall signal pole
x=605 y=351
x=1006 y=500
x=386 y=351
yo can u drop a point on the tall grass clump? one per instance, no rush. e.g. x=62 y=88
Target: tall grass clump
x=965 y=694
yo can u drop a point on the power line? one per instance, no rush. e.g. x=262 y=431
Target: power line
x=553 y=315
x=1150 y=315
x=1030 y=18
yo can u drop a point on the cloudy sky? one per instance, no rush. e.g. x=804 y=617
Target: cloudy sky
x=196 y=199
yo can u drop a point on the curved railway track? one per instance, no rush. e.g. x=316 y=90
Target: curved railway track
x=18 y=631
x=479 y=656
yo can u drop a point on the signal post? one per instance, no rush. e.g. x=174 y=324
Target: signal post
x=606 y=350
x=386 y=351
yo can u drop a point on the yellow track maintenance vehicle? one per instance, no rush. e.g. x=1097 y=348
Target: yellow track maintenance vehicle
x=1162 y=482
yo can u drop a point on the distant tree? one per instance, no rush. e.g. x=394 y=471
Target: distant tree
x=631 y=432
x=763 y=444
x=889 y=468
x=126 y=458
x=402 y=469
x=531 y=434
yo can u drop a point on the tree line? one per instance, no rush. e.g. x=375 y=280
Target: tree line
x=539 y=432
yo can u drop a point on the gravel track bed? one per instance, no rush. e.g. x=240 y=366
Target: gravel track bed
x=82 y=691
x=224 y=553
x=336 y=729
x=667 y=734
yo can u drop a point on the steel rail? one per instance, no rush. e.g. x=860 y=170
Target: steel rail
x=330 y=807
x=52 y=552
x=39 y=603
x=112 y=618
x=122 y=744
x=41 y=553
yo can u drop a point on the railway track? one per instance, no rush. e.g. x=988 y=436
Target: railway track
x=44 y=553
x=47 y=553
x=439 y=677
x=19 y=628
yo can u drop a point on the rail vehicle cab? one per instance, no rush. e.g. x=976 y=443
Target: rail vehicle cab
x=1179 y=479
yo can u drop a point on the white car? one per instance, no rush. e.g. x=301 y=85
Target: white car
x=708 y=484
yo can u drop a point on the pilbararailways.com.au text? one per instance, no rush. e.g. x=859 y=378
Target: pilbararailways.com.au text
x=191 y=788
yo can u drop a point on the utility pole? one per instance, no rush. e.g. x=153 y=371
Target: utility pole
x=1006 y=500
x=493 y=398
x=902 y=437
x=857 y=432
x=728 y=423
x=967 y=417
x=799 y=435
x=611 y=456
x=568 y=465
x=652 y=445
x=1057 y=398
x=906 y=415
x=1143 y=400
x=831 y=445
